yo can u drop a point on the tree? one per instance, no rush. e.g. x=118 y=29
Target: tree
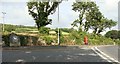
x=112 y=34
x=85 y=8
x=91 y=18
x=99 y=25
x=41 y=10
x=106 y=23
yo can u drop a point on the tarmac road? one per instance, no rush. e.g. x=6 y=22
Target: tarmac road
x=51 y=54
x=59 y=54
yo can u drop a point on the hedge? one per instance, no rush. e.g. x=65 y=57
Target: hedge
x=23 y=39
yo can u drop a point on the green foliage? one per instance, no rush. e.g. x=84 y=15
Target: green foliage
x=114 y=34
x=68 y=30
x=41 y=10
x=62 y=40
x=84 y=8
x=23 y=40
x=101 y=25
x=78 y=37
x=48 y=40
x=44 y=30
x=117 y=41
x=18 y=28
x=99 y=40
x=60 y=35
x=9 y=28
x=91 y=18
x=93 y=39
x=5 y=38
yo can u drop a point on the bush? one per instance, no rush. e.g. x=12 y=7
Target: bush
x=62 y=39
x=112 y=34
x=44 y=30
x=48 y=40
x=117 y=41
x=92 y=39
x=23 y=39
x=78 y=37
x=5 y=38
x=100 y=40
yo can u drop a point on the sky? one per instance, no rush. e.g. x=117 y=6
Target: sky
x=17 y=13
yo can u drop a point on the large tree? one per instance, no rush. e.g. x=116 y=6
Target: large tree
x=84 y=8
x=91 y=18
x=41 y=10
x=96 y=21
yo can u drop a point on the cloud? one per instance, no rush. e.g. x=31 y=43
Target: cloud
x=109 y=8
x=14 y=0
x=17 y=13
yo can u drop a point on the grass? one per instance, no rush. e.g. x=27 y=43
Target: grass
x=65 y=33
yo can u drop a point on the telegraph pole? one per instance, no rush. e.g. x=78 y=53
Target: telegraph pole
x=58 y=27
x=3 y=20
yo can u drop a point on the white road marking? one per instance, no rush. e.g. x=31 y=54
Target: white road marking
x=68 y=58
x=107 y=55
x=20 y=60
x=101 y=55
x=86 y=48
x=28 y=52
x=93 y=54
x=80 y=54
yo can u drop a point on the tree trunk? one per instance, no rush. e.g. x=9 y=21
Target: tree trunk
x=38 y=26
x=100 y=30
x=95 y=31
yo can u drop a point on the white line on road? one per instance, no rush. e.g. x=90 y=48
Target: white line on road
x=85 y=48
x=107 y=55
x=93 y=54
x=28 y=52
x=101 y=55
x=20 y=60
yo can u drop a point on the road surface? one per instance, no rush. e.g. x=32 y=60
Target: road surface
x=52 y=54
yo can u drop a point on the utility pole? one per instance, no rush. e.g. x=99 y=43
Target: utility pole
x=3 y=19
x=58 y=28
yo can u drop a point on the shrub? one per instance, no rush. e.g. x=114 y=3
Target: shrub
x=62 y=39
x=112 y=34
x=5 y=38
x=48 y=40
x=117 y=41
x=44 y=30
x=23 y=39
x=78 y=37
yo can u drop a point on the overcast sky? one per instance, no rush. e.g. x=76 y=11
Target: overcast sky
x=17 y=13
